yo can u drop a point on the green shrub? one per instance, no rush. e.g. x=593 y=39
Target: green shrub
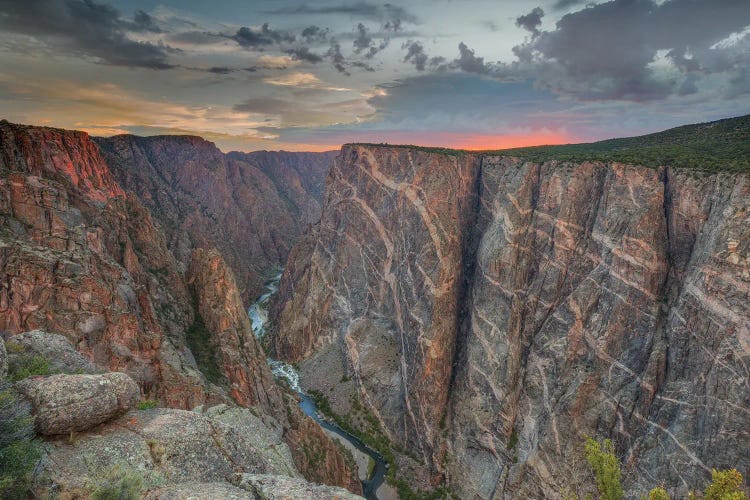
x=22 y=366
x=725 y=485
x=148 y=404
x=606 y=466
x=19 y=451
x=119 y=484
x=658 y=494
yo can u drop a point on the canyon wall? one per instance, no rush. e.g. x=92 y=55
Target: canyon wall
x=252 y=207
x=81 y=258
x=490 y=313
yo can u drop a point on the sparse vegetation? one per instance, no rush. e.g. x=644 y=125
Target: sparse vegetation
x=148 y=404
x=602 y=459
x=722 y=145
x=199 y=341
x=120 y=483
x=725 y=485
x=19 y=451
x=22 y=366
x=658 y=494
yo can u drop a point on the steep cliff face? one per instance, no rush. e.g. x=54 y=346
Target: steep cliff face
x=534 y=304
x=80 y=258
x=251 y=207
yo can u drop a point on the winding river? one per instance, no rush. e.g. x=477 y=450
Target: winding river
x=258 y=313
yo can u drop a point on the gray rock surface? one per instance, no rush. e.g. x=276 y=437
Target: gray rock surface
x=267 y=487
x=65 y=403
x=200 y=491
x=167 y=448
x=266 y=432
x=60 y=354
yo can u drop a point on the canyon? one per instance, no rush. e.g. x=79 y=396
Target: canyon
x=489 y=313
x=472 y=316
x=82 y=258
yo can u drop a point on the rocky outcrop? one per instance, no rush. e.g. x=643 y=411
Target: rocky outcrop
x=252 y=207
x=79 y=258
x=171 y=454
x=268 y=487
x=66 y=403
x=491 y=312
x=58 y=353
x=236 y=352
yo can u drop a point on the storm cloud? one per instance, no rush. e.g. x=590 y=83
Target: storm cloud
x=86 y=28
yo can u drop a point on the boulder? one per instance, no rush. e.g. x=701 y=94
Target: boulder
x=267 y=487
x=60 y=354
x=67 y=403
x=3 y=361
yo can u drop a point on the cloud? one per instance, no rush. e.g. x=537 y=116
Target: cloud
x=361 y=10
x=415 y=54
x=315 y=34
x=637 y=50
x=363 y=42
x=531 y=21
x=468 y=61
x=304 y=54
x=86 y=28
x=564 y=4
x=337 y=58
x=251 y=38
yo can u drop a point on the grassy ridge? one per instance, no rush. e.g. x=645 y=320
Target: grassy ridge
x=720 y=146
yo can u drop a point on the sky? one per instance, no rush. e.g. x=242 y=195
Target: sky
x=312 y=75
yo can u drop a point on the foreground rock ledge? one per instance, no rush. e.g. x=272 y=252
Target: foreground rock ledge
x=68 y=403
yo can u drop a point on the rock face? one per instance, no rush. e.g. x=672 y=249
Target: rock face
x=493 y=312
x=235 y=350
x=80 y=258
x=65 y=403
x=57 y=351
x=252 y=207
x=268 y=487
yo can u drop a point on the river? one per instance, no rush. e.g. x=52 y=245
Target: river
x=258 y=313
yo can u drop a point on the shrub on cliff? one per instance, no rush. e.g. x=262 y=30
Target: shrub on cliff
x=658 y=494
x=19 y=452
x=606 y=466
x=725 y=485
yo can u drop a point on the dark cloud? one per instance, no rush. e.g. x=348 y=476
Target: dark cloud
x=87 y=28
x=606 y=51
x=393 y=26
x=315 y=34
x=220 y=70
x=415 y=54
x=265 y=36
x=363 y=42
x=304 y=54
x=361 y=10
x=531 y=21
x=337 y=58
x=144 y=23
x=468 y=61
x=564 y=4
